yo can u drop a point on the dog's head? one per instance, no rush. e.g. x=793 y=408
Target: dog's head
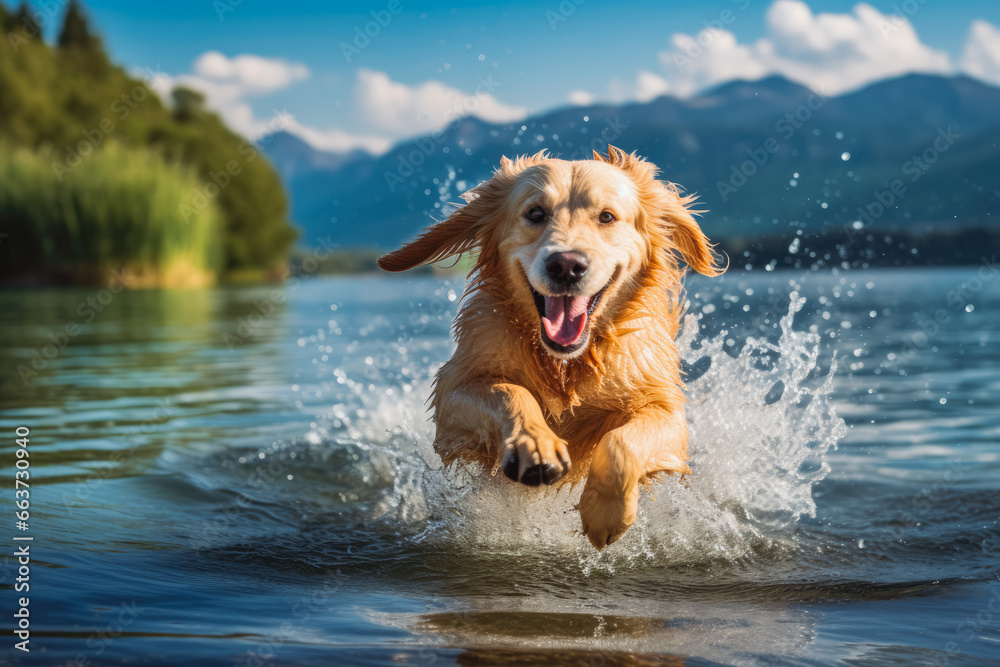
x=567 y=240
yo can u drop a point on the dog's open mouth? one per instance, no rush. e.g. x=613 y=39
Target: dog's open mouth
x=565 y=318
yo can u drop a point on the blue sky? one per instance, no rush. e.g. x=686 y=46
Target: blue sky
x=505 y=61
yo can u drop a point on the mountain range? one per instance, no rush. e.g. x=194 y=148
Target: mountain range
x=764 y=157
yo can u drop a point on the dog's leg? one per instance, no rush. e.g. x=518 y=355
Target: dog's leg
x=655 y=440
x=507 y=417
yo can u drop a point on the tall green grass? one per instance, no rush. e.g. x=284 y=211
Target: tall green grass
x=118 y=209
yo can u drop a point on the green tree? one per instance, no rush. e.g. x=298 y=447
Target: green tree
x=25 y=22
x=78 y=42
x=75 y=31
x=188 y=103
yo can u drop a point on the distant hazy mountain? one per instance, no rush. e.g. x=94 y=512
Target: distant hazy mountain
x=294 y=156
x=763 y=156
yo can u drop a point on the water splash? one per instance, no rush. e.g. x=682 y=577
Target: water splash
x=761 y=422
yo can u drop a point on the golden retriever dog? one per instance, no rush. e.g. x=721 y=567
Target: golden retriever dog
x=566 y=366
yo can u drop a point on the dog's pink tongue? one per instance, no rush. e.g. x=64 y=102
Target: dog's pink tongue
x=565 y=318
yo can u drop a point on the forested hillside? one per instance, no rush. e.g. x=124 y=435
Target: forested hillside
x=99 y=174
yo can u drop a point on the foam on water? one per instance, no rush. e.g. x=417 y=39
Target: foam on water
x=761 y=422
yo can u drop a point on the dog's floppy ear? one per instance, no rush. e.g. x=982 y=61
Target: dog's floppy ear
x=687 y=237
x=464 y=229
x=449 y=237
x=460 y=232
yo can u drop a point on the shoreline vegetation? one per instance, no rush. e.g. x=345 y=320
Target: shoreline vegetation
x=115 y=215
x=97 y=175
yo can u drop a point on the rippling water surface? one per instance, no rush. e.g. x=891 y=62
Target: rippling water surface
x=245 y=477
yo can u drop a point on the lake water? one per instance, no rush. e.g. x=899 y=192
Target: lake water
x=244 y=477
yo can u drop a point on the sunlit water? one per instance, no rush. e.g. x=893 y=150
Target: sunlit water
x=245 y=477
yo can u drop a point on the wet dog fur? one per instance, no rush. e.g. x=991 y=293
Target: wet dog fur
x=565 y=367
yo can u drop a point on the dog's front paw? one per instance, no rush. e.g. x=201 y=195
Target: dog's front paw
x=607 y=512
x=534 y=459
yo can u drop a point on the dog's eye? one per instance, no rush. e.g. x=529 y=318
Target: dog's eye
x=535 y=214
x=607 y=217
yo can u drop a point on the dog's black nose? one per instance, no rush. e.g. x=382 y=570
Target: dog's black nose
x=566 y=268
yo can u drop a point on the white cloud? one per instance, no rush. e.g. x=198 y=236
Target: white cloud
x=981 y=57
x=833 y=53
x=391 y=110
x=707 y=59
x=228 y=82
x=649 y=86
x=580 y=98
x=397 y=110
x=251 y=75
